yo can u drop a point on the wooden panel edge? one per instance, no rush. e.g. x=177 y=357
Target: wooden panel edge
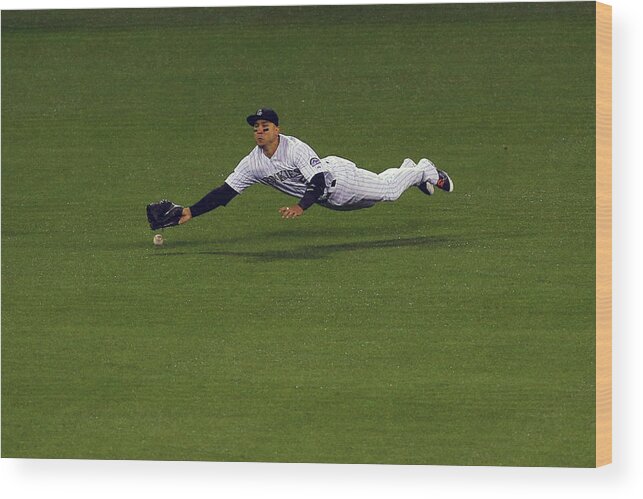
x=603 y=234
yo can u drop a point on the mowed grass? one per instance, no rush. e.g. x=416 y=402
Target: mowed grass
x=456 y=329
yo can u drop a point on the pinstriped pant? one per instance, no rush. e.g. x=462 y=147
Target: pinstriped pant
x=353 y=188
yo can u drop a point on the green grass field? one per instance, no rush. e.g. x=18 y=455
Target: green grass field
x=457 y=329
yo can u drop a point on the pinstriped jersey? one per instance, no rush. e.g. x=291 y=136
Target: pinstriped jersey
x=291 y=167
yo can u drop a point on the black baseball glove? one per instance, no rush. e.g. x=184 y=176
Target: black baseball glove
x=163 y=214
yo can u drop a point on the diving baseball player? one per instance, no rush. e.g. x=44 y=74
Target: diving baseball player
x=294 y=168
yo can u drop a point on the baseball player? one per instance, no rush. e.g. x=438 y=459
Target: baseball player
x=294 y=168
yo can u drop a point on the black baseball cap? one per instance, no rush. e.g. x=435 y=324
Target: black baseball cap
x=264 y=113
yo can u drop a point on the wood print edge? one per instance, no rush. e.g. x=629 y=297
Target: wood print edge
x=603 y=234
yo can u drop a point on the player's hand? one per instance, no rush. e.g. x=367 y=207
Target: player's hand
x=185 y=215
x=291 y=211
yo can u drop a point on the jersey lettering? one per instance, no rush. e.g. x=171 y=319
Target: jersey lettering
x=282 y=176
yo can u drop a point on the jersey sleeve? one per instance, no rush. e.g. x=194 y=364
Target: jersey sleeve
x=242 y=177
x=307 y=160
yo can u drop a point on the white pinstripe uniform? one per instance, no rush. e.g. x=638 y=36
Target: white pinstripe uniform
x=347 y=187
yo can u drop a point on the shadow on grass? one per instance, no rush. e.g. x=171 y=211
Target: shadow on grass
x=320 y=251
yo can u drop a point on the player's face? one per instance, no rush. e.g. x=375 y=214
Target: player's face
x=266 y=133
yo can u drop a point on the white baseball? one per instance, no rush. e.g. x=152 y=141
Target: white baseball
x=158 y=240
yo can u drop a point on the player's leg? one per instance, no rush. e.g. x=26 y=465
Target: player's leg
x=359 y=188
x=407 y=163
x=409 y=174
x=345 y=189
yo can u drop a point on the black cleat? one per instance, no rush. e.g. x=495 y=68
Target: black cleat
x=444 y=181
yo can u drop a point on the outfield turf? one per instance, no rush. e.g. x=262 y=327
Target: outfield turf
x=456 y=329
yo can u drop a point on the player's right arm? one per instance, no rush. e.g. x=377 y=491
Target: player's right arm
x=220 y=196
x=241 y=178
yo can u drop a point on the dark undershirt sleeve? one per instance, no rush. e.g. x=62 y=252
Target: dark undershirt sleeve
x=314 y=190
x=220 y=196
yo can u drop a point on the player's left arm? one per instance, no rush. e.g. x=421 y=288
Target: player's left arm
x=314 y=190
x=310 y=166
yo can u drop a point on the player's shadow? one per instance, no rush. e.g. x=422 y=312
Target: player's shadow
x=323 y=251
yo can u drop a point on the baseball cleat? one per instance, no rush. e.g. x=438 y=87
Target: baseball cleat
x=444 y=181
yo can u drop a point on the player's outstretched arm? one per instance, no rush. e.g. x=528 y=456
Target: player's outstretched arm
x=220 y=196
